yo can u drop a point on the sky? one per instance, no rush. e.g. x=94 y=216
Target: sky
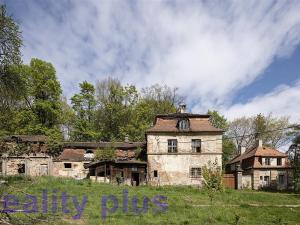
x=238 y=57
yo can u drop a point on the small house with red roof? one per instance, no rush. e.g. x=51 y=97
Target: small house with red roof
x=267 y=167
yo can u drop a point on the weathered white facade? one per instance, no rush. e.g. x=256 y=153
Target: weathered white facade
x=183 y=166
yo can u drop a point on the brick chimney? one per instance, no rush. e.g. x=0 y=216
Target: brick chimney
x=182 y=108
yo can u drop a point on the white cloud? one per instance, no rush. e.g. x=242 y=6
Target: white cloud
x=208 y=50
x=284 y=101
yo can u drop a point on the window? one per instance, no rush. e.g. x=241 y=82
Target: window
x=281 y=179
x=195 y=172
x=267 y=161
x=279 y=161
x=21 y=168
x=0 y=166
x=172 y=145
x=184 y=125
x=68 y=165
x=196 y=145
x=261 y=177
x=267 y=180
x=89 y=151
x=155 y=174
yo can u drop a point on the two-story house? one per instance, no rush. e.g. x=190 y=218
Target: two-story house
x=179 y=145
x=267 y=167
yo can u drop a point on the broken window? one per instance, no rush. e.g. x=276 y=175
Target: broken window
x=196 y=145
x=21 y=168
x=184 y=125
x=155 y=174
x=68 y=165
x=195 y=172
x=172 y=145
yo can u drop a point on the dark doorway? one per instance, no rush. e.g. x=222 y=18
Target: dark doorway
x=135 y=178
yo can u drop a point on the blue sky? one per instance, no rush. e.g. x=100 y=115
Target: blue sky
x=239 y=57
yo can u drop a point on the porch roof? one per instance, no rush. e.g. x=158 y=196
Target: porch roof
x=118 y=162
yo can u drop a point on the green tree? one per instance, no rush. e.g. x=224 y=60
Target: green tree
x=228 y=146
x=10 y=55
x=40 y=110
x=84 y=105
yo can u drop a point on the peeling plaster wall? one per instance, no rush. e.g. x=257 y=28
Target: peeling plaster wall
x=77 y=171
x=174 y=168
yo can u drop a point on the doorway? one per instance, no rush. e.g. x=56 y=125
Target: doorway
x=135 y=178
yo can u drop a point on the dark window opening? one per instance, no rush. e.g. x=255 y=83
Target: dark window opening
x=196 y=145
x=195 y=172
x=267 y=161
x=0 y=167
x=68 y=165
x=21 y=168
x=92 y=172
x=172 y=145
x=89 y=151
x=281 y=179
x=279 y=161
x=155 y=174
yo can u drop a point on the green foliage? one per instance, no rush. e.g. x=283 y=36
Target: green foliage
x=218 y=120
x=213 y=179
x=228 y=146
x=84 y=105
x=106 y=154
x=10 y=57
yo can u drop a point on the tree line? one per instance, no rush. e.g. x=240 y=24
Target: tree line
x=31 y=102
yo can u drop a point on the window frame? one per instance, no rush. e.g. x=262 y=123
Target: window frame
x=279 y=160
x=172 y=148
x=195 y=172
x=267 y=161
x=184 y=125
x=281 y=179
x=194 y=147
x=68 y=168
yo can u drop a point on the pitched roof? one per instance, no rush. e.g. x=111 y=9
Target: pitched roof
x=168 y=123
x=120 y=145
x=25 y=138
x=72 y=155
x=258 y=151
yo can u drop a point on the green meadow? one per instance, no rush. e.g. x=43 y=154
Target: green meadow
x=186 y=205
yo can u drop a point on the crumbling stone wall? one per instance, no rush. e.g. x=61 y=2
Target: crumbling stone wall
x=76 y=171
x=35 y=165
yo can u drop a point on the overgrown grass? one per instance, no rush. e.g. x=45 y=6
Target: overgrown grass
x=186 y=205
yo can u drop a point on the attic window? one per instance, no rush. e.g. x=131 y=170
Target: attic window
x=184 y=124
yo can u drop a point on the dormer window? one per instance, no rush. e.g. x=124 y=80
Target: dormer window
x=184 y=125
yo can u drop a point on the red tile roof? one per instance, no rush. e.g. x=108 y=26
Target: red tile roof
x=168 y=123
x=258 y=151
x=72 y=155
